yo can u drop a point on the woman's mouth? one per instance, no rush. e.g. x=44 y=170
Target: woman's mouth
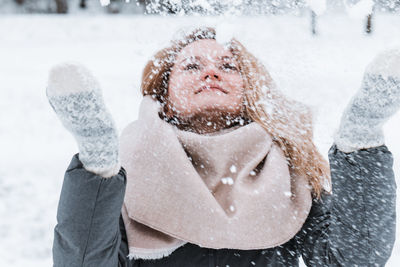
x=211 y=87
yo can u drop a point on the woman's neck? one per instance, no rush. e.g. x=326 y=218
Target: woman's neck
x=206 y=124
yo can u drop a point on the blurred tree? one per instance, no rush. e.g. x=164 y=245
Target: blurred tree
x=61 y=6
x=368 y=26
x=82 y=4
x=313 y=23
x=317 y=8
x=362 y=9
x=114 y=7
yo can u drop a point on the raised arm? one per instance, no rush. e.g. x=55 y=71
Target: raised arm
x=355 y=226
x=87 y=231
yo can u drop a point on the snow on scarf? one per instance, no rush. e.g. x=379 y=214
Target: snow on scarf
x=230 y=189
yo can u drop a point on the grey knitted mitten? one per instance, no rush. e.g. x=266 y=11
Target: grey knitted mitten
x=75 y=96
x=374 y=103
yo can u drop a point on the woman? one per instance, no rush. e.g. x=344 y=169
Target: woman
x=220 y=168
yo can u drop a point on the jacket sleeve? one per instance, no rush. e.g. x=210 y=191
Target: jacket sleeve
x=354 y=226
x=87 y=231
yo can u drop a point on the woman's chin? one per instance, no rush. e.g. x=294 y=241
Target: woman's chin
x=214 y=101
x=215 y=108
x=209 y=105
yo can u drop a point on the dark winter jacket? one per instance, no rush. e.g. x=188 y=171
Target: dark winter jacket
x=355 y=226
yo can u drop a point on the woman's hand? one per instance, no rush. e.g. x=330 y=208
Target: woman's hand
x=375 y=102
x=75 y=96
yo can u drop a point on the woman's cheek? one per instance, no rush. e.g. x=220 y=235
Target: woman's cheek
x=235 y=81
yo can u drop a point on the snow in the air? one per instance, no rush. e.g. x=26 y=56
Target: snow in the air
x=225 y=31
x=361 y=9
x=233 y=169
x=288 y=193
x=323 y=72
x=227 y=180
x=104 y=2
x=318 y=6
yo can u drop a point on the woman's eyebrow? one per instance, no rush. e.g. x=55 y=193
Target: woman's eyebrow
x=199 y=58
x=225 y=57
x=191 y=58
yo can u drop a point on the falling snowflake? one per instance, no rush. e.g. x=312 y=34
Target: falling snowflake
x=227 y=180
x=104 y=2
x=233 y=169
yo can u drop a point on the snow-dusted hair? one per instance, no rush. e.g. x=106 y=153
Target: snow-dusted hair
x=289 y=122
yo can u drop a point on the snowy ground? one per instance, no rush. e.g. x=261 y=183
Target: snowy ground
x=35 y=149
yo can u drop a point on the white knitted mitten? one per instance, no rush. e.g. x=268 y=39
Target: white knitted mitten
x=374 y=103
x=75 y=96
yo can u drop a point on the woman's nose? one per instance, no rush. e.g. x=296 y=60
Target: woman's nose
x=214 y=76
x=211 y=74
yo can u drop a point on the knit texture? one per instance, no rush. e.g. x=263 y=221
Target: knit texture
x=229 y=189
x=375 y=102
x=76 y=98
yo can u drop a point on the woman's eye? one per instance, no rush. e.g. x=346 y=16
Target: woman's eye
x=229 y=66
x=192 y=67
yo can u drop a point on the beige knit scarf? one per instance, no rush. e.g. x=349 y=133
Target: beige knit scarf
x=232 y=189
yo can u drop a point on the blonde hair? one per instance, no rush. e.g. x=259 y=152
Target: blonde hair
x=289 y=122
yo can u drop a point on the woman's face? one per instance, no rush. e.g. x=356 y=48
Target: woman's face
x=204 y=80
